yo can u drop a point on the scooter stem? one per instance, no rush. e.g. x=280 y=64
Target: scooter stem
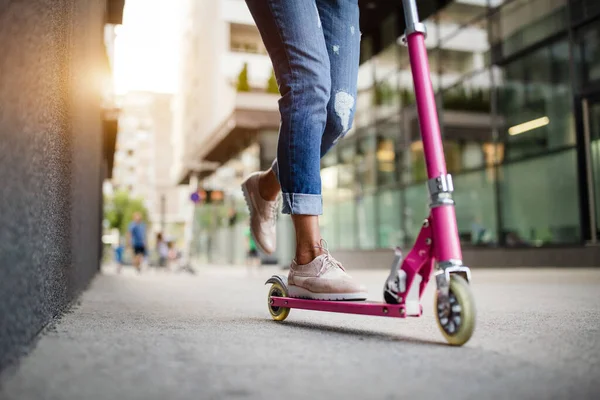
x=445 y=231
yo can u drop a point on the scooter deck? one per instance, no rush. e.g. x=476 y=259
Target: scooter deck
x=351 y=307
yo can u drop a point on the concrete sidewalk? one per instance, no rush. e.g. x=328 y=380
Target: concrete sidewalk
x=209 y=336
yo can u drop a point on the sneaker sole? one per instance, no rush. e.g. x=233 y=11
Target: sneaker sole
x=250 y=206
x=301 y=293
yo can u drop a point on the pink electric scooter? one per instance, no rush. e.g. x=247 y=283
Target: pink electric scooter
x=437 y=243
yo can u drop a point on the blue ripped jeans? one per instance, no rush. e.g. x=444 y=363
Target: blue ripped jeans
x=314 y=46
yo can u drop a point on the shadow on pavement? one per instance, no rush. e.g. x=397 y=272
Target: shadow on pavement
x=358 y=333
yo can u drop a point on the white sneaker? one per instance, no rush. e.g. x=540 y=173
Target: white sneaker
x=263 y=215
x=324 y=278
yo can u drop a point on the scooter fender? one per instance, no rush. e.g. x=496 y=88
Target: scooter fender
x=281 y=279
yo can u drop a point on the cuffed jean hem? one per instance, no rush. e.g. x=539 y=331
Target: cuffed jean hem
x=302 y=204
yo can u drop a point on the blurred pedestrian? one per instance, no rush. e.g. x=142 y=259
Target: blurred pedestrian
x=137 y=240
x=314 y=47
x=120 y=255
x=252 y=255
x=162 y=249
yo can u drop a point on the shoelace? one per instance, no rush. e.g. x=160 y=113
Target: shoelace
x=328 y=260
x=275 y=210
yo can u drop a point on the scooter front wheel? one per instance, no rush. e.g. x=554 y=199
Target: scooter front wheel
x=456 y=315
x=278 y=313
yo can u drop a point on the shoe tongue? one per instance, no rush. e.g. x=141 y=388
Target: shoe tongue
x=330 y=267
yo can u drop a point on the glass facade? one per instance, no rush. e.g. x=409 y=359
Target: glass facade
x=518 y=92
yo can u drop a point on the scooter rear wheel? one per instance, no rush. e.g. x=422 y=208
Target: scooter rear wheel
x=456 y=316
x=278 y=313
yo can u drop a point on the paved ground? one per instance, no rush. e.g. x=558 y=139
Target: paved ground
x=159 y=336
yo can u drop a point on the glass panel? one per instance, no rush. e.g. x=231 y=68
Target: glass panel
x=416 y=210
x=386 y=154
x=471 y=94
x=534 y=98
x=466 y=122
x=475 y=207
x=583 y=9
x=363 y=116
x=366 y=222
x=345 y=196
x=347 y=222
x=346 y=175
x=418 y=171
x=365 y=162
x=522 y=23
x=587 y=55
x=328 y=220
x=539 y=200
x=594 y=121
x=388 y=33
x=459 y=15
x=463 y=40
x=364 y=99
x=389 y=226
x=245 y=39
x=386 y=99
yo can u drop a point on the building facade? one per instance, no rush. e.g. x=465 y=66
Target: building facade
x=143 y=160
x=225 y=122
x=517 y=86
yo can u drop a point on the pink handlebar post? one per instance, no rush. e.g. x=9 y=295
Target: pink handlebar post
x=445 y=230
x=426 y=106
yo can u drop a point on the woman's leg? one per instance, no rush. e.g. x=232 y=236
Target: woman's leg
x=324 y=277
x=296 y=44
x=340 y=23
x=295 y=37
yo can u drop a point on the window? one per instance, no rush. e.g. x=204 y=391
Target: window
x=386 y=155
x=365 y=161
x=365 y=213
x=245 y=39
x=587 y=55
x=415 y=211
x=329 y=183
x=466 y=123
x=534 y=96
x=475 y=198
x=584 y=9
x=522 y=23
x=389 y=228
x=539 y=200
x=346 y=196
x=386 y=100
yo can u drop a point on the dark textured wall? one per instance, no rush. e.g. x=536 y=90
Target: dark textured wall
x=50 y=160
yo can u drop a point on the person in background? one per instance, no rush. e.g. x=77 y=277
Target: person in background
x=162 y=248
x=137 y=240
x=252 y=256
x=119 y=255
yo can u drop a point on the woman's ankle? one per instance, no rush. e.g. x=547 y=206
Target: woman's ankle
x=308 y=238
x=305 y=253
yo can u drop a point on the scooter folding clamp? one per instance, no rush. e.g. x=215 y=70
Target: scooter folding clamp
x=411 y=18
x=415 y=27
x=440 y=191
